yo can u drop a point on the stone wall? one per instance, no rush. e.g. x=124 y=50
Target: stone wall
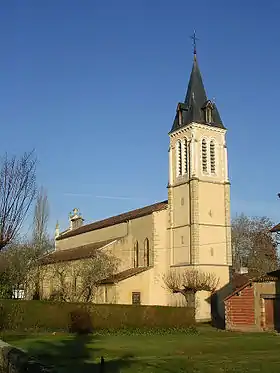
x=12 y=359
x=15 y=360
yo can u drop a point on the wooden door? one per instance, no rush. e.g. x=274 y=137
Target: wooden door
x=269 y=313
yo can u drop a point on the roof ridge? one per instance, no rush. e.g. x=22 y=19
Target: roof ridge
x=116 y=219
x=124 y=274
x=76 y=253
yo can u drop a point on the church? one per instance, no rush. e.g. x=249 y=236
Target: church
x=191 y=229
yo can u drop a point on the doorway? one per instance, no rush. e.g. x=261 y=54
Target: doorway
x=269 y=313
x=272 y=313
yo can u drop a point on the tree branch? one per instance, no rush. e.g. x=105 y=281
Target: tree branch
x=17 y=192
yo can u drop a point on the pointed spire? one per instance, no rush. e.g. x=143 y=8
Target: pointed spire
x=196 y=95
x=196 y=103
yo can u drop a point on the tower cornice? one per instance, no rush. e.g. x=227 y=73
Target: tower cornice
x=195 y=125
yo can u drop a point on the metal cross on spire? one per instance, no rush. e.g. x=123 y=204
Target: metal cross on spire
x=194 y=39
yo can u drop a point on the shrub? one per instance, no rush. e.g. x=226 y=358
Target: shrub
x=45 y=315
x=56 y=296
x=3 y=317
x=80 y=322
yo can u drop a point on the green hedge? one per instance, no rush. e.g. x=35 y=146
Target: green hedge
x=44 y=315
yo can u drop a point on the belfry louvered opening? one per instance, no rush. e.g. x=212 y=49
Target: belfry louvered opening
x=204 y=155
x=185 y=157
x=179 y=158
x=212 y=157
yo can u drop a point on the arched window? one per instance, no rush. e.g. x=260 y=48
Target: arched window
x=204 y=155
x=179 y=158
x=136 y=254
x=146 y=253
x=185 y=156
x=212 y=157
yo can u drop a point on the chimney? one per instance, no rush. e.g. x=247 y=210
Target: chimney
x=76 y=220
x=56 y=234
x=242 y=270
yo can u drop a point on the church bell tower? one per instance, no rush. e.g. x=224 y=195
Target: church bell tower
x=199 y=188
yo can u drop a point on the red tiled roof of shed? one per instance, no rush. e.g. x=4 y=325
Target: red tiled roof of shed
x=264 y=278
x=239 y=279
x=276 y=228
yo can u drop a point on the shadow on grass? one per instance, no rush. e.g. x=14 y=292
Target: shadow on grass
x=74 y=354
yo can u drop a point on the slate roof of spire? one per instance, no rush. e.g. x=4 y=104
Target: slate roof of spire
x=193 y=108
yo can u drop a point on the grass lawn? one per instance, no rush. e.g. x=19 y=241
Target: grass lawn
x=207 y=351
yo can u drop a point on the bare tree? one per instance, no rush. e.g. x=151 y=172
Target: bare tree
x=189 y=282
x=17 y=192
x=16 y=262
x=41 y=216
x=78 y=281
x=253 y=245
x=41 y=239
x=19 y=261
x=277 y=238
x=41 y=242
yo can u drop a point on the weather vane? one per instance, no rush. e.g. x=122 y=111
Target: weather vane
x=194 y=39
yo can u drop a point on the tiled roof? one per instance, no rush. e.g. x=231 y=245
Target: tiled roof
x=275 y=273
x=264 y=278
x=147 y=210
x=276 y=228
x=239 y=280
x=124 y=275
x=79 y=252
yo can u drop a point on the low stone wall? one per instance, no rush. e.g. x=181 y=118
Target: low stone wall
x=12 y=359
x=15 y=360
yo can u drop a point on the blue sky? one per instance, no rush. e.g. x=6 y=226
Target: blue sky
x=93 y=86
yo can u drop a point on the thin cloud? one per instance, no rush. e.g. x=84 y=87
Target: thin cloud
x=117 y=197
x=77 y=195
x=102 y=197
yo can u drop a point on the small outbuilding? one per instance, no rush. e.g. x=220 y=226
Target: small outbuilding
x=255 y=306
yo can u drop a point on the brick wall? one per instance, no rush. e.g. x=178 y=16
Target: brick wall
x=240 y=310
